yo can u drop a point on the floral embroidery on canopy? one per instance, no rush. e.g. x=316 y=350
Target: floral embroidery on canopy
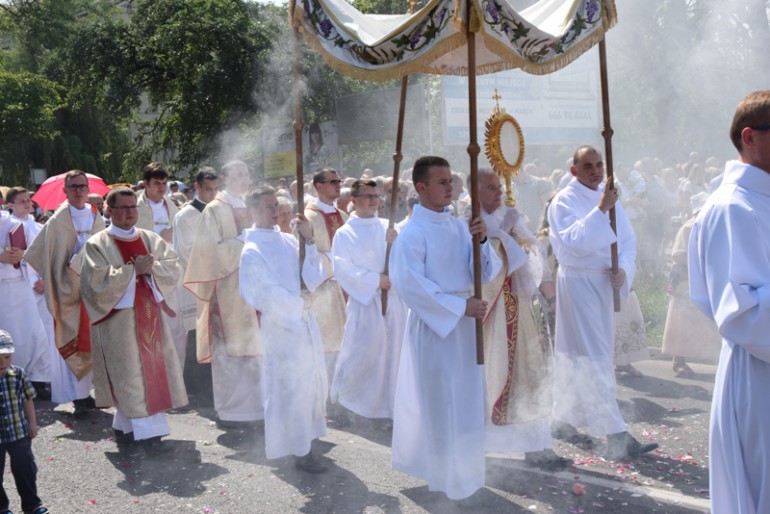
x=540 y=39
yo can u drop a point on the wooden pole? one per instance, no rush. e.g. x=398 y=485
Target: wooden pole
x=607 y=134
x=473 y=153
x=397 y=158
x=298 y=131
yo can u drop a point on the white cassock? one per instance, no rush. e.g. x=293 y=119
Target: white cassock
x=729 y=264
x=584 y=376
x=19 y=315
x=294 y=383
x=438 y=426
x=367 y=366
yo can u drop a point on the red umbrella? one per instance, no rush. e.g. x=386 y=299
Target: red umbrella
x=50 y=194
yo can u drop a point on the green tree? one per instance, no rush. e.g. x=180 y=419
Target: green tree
x=28 y=105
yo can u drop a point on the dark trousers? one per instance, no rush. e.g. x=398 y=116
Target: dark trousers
x=24 y=474
x=197 y=377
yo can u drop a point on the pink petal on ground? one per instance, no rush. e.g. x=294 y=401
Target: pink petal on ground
x=578 y=490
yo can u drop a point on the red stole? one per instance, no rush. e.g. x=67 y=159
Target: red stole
x=333 y=221
x=17 y=239
x=149 y=332
x=500 y=412
x=82 y=341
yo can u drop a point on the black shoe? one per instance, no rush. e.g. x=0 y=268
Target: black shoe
x=623 y=446
x=566 y=432
x=547 y=460
x=309 y=464
x=82 y=410
x=154 y=446
x=122 y=437
x=241 y=426
x=339 y=415
x=43 y=390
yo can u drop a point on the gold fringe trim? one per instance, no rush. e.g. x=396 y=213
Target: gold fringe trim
x=391 y=72
x=423 y=63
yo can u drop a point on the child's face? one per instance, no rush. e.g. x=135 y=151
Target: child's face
x=5 y=362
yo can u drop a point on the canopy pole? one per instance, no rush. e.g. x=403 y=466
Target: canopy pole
x=297 y=124
x=607 y=134
x=473 y=153
x=397 y=158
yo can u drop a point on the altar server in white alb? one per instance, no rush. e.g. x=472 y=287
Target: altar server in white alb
x=365 y=377
x=294 y=382
x=581 y=235
x=729 y=264
x=438 y=427
x=33 y=345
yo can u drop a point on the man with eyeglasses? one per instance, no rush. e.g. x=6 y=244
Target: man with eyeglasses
x=328 y=302
x=365 y=376
x=729 y=270
x=126 y=276
x=20 y=316
x=227 y=327
x=55 y=255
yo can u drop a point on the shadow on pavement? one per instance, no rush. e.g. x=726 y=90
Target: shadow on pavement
x=338 y=490
x=664 y=388
x=178 y=472
x=481 y=501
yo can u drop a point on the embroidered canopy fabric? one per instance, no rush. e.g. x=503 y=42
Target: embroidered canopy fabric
x=540 y=39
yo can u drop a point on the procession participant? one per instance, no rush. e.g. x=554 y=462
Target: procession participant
x=227 y=328
x=729 y=272
x=365 y=376
x=580 y=235
x=55 y=255
x=688 y=334
x=127 y=272
x=185 y=225
x=438 y=431
x=157 y=213
x=97 y=201
x=328 y=303
x=518 y=357
x=27 y=315
x=294 y=379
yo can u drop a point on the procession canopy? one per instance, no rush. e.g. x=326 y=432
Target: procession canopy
x=541 y=39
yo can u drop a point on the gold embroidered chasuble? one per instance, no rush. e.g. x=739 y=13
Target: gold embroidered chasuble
x=328 y=302
x=517 y=359
x=212 y=276
x=119 y=377
x=50 y=254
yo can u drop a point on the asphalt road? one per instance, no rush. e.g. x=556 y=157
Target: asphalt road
x=215 y=472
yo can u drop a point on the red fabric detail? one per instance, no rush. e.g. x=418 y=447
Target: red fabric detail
x=500 y=407
x=82 y=342
x=17 y=239
x=332 y=220
x=149 y=333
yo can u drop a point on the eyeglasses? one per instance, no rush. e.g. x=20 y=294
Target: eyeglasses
x=126 y=207
x=332 y=182
x=367 y=197
x=766 y=126
x=77 y=187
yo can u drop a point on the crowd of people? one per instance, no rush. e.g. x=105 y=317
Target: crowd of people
x=163 y=294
